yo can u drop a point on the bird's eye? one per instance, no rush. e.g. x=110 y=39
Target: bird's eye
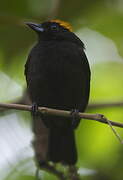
x=54 y=27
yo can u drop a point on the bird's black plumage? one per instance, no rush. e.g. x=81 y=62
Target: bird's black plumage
x=58 y=76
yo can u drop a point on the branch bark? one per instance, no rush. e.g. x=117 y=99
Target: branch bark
x=105 y=104
x=48 y=111
x=51 y=169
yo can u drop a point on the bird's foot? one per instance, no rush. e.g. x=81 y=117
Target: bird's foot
x=34 y=109
x=75 y=118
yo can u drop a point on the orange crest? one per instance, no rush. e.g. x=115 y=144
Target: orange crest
x=63 y=23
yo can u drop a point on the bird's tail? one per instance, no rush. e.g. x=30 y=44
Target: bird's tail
x=62 y=147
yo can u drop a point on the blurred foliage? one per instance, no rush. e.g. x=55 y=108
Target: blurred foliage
x=100 y=154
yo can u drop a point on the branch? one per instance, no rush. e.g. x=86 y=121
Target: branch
x=105 y=104
x=51 y=169
x=48 y=111
x=73 y=173
x=54 y=9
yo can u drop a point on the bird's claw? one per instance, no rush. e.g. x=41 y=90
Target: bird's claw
x=34 y=109
x=75 y=118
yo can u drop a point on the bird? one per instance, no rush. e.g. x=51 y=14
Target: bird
x=58 y=76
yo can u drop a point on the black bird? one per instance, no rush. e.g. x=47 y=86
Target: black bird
x=58 y=76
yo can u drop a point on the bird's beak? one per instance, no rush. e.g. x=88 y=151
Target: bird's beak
x=35 y=27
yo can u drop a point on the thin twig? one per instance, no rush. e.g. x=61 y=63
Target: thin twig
x=55 y=112
x=115 y=133
x=105 y=104
x=37 y=174
x=54 y=9
x=73 y=173
x=53 y=170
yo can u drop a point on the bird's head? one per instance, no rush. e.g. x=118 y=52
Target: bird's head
x=50 y=29
x=55 y=30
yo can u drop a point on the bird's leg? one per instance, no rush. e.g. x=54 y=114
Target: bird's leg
x=75 y=118
x=34 y=110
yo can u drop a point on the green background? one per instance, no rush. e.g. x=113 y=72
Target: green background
x=99 y=24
